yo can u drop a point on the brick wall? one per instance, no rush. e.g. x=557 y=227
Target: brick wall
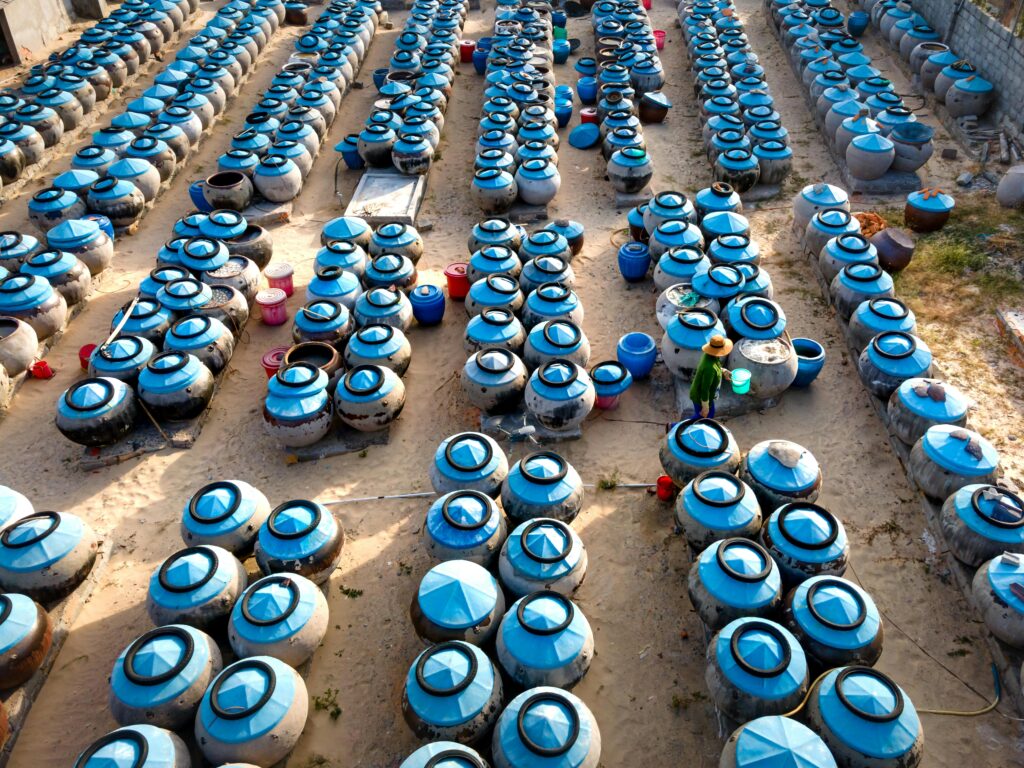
x=987 y=44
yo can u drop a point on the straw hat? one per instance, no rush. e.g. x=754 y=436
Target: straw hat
x=718 y=346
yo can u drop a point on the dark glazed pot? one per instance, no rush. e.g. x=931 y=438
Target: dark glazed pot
x=231 y=190
x=895 y=248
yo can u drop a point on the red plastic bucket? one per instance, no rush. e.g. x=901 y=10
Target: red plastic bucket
x=647 y=5
x=466 y=48
x=280 y=276
x=84 y=354
x=458 y=281
x=659 y=39
x=272 y=360
x=41 y=369
x=588 y=115
x=272 y=306
x=607 y=402
x=667 y=490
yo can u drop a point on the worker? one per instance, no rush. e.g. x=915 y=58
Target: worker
x=707 y=379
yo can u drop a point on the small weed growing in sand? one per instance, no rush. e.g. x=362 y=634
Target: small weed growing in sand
x=317 y=761
x=608 y=482
x=963 y=640
x=363 y=453
x=350 y=592
x=404 y=569
x=957 y=653
x=677 y=703
x=682 y=703
x=328 y=702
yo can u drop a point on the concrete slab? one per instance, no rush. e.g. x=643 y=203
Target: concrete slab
x=892 y=183
x=1011 y=325
x=521 y=213
x=341 y=440
x=520 y=425
x=729 y=405
x=267 y=214
x=623 y=200
x=384 y=195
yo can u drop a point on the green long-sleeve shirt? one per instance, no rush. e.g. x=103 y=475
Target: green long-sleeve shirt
x=707 y=379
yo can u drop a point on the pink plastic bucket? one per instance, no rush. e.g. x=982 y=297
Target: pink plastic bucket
x=272 y=306
x=280 y=276
x=659 y=39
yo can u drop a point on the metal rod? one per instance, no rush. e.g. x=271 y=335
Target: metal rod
x=427 y=494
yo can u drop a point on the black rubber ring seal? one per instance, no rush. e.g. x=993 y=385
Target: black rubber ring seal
x=543 y=374
x=5 y=537
x=488 y=455
x=745 y=309
x=389 y=333
x=181 y=553
x=360 y=391
x=236 y=667
x=704 y=311
x=374 y=298
x=1003 y=491
x=787 y=509
x=878 y=301
x=484 y=499
x=564 y=529
x=577 y=334
x=293 y=600
x=872 y=717
x=197 y=287
x=313 y=370
x=107 y=397
x=454 y=754
x=570 y=612
x=776 y=634
x=874 y=274
x=180 y=365
x=529 y=743
x=748 y=578
x=204 y=319
x=524 y=465
x=128 y=666
x=714 y=474
x=889 y=355
x=303 y=503
x=862 y=609
x=460 y=686
x=106 y=352
x=494 y=283
x=6 y=606
x=562 y=294
x=502 y=352
x=713 y=425
x=225 y=485
x=504 y=317
x=540 y=263
x=122 y=734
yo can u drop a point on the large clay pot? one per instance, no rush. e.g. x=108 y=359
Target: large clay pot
x=231 y=190
x=895 y=248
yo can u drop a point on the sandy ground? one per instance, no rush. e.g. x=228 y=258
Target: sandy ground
x=646 y=685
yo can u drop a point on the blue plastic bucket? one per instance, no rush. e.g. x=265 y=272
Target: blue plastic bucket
x=634 y=261
x=810 y=360
x=195 y=193
x=427 y=304
x=380 y=77
x=102 y=221
x=857 y=23
x=637 y=351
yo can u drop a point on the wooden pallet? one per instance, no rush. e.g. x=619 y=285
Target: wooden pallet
x=18 y=702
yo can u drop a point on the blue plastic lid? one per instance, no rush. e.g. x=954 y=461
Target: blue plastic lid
x=585 y=136
x=754 y=317
x=170 y=372
x=221 y=506
x=457 y=594
x=160 y=665
x=899 y=354
x=274 y=608
x=960 y=450
x=868 y=712
x=444 y=754
x=783 y=466
x=546 y=725
x=825 y=195
x=739 y=572
x=992 y=511
x=544 y=630
x=779 y=742
x=122 y=354
x=875 y=143
x=542 y=478
x=19 y=615
x=450 y=683
x=807 y=531
x=611 y=378
x=933 y=399
x=700 y=440
x=720 y=500
x=931 y=199
x=835 y=612
x=463 y=519
x=135 y=746
x=544 y=548
x=191 y=577
x=39 y=540
x=248 y=699
x=296 y=529
x=761 y=658
x=468 y=456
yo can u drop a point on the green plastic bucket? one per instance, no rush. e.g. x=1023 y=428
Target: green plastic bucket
x=740 y=381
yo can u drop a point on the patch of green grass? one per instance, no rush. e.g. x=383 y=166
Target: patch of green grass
x=608 y=482
x=350 y=592
x=958 y=653
x=328 y=702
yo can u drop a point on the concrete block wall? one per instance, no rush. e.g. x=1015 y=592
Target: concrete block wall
x=31 y=25
x=987 y=44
